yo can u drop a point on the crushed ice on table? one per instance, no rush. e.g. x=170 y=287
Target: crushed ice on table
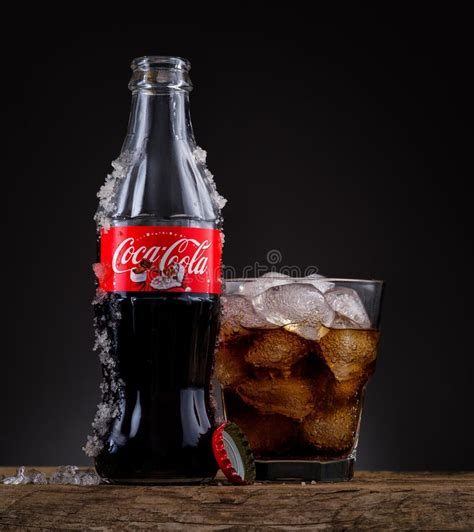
x=108 y=191
x=107 y=317
x=25 y=476
x=200 y=157
x=72 y=475
x=300 y=308
x=347 y=303
x=62 y=475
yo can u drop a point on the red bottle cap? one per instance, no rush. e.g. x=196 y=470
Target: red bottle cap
x=233 y=454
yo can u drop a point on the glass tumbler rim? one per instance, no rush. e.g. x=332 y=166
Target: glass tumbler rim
x=297 y=279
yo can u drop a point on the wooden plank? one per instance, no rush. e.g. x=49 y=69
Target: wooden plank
x=380 y=500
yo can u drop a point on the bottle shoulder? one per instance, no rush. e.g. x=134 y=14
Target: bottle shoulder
x=166 y=184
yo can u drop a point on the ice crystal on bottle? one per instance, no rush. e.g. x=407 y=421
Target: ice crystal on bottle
x=219 y=201
x=106 y=320
x=107 y=192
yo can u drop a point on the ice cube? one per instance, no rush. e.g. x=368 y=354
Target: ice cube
x=26 y=476
x=348 y=352
x=310 y=330
x=266 y=433
x=346 y=302
x=278 y=349
x=267 y=280
x=270 y=279
x=342 y=322
x=238 y=316
x=332 y=428
x=230 y=368
x=301 y=308
x=290 y=397
x=318 y=281
x=331 y=393
x=275 y=276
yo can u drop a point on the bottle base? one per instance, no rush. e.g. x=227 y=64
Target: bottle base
x=305 y=470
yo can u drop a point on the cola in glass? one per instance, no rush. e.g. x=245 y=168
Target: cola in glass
x=157 y=305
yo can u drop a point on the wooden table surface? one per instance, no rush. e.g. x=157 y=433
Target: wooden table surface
x=378 y=500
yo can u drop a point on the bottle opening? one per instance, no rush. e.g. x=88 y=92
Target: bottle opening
x=148 y=62
x=157 y=74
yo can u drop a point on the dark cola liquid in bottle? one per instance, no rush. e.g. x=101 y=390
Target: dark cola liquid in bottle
x=157 y=307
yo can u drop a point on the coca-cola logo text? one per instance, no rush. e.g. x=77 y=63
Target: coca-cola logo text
x=188 y=252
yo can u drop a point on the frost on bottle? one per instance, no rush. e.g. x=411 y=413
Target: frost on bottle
x=157 y=305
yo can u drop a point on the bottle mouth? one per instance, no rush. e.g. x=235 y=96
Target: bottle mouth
x=160 y=74
x=148 y=62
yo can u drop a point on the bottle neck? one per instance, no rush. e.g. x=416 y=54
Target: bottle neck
x=159 y=120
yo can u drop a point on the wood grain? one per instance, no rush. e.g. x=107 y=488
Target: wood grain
x=378 y=500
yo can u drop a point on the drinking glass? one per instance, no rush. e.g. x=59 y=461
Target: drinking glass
x=293 y=362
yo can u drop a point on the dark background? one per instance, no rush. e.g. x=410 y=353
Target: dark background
x=341 y=148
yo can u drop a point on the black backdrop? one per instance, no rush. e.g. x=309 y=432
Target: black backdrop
x=341 y=149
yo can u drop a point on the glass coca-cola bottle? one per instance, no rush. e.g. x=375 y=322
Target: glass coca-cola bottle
x=157 y=304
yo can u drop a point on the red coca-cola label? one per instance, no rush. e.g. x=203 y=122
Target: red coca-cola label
x=160 y=259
